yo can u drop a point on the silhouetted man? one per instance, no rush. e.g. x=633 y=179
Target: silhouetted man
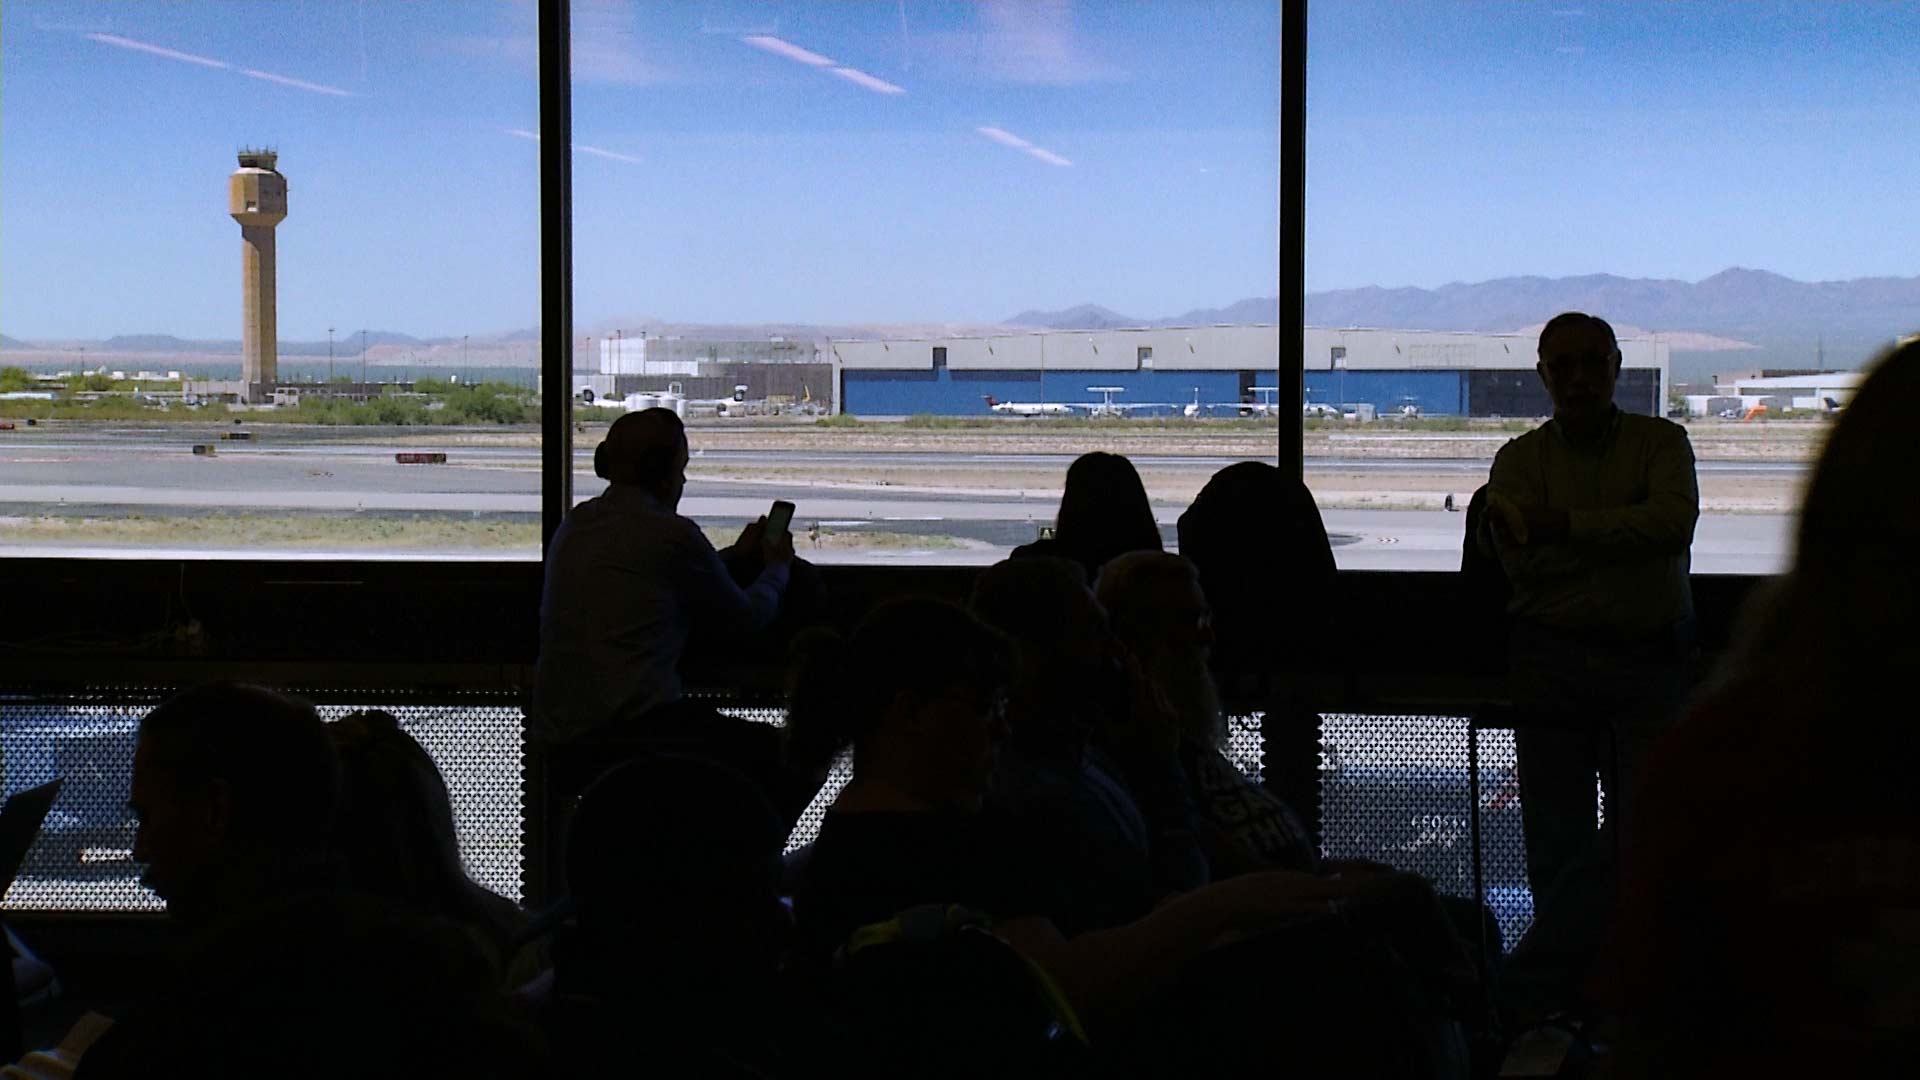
x=1592 y=517
x=629 y=580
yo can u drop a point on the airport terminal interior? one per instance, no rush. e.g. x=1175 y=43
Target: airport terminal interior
x=855 y=257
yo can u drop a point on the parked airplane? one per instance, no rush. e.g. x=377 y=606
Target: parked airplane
x=1106 y=406
x=1028 y=408
x=1265 y=406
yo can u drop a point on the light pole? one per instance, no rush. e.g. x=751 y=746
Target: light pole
x=329 y=361
x=463 y=350
x=363 y=365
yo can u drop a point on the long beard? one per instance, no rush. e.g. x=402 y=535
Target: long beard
x=1189 y=687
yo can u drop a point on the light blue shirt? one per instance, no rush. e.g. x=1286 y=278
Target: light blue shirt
x=628 y=581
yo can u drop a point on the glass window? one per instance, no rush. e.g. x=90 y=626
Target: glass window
x=1701 y=175
x=256 y=256
x=819 y=202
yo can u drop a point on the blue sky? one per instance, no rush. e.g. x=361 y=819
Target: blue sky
x=914 y=161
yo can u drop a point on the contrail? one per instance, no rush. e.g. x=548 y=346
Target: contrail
x=171 y=54
x=861 y=78
x=788 y=49
x=119 y=42
x=579 y=148
x=1009 y=139
x=297 y=84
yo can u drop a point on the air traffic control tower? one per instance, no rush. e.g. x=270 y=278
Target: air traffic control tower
x=257 y=199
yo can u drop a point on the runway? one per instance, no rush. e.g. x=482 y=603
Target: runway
x=153 y=471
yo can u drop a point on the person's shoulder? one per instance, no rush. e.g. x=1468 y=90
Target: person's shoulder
x=1521 y=447
x=1652 y=427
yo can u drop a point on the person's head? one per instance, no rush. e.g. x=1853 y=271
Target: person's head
x=395 y=828
x=229 y=783
x=1161 y=615
x=647 y=450
x=1255 y=533
x=1579 y=363
x=1104 y=510
x=918 y=691
x=1068 y=665
x=678 y=857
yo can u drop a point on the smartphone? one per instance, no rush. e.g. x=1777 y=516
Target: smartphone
x=779 y=518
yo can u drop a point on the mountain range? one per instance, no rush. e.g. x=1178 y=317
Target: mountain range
x=1775 y=321
x=1788 y=323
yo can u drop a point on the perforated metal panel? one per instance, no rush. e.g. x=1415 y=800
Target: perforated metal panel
x=1243 y=749
x=1395 y=790
x=82 y=860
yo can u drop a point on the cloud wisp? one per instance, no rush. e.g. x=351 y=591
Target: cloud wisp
x=579 y=148
x=870 y=82
x=781 y=47
x=162 y=51
x=785 y=49
x=1014 y=142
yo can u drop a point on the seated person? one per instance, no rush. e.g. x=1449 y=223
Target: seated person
x=1103 y=511
x=285 y=973
x=1162 y=619
x=628 y=581
x=675 y=956
x=1090 y=762
x=1256 y=537
x=395 y=834
x=917 y=693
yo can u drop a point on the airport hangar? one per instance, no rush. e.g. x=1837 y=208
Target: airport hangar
x=1439 y=373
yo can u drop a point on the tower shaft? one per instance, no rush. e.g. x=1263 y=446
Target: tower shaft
x=260 y=341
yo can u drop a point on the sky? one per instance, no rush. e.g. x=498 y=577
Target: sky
x=904 y=161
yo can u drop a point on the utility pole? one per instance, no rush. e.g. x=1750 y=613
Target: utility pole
x=329 y=361
x=363 y=365
x=463 y=350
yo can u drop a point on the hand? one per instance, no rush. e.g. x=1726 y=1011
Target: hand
x=750 y=537
x=777 y=550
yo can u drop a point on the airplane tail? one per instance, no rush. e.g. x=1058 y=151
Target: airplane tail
x=989 y=400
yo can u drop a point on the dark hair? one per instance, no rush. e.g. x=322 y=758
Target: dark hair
x=1571 y=321
x=395 y=829
x=667 y=829
x=1104 y=511
x=1852 y=595
x=270 y=751
x=640 y=448
x=1029 y=599
x=843 y=686
x=1253 y=524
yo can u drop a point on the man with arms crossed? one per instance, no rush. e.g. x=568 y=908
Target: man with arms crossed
x=1592 y=517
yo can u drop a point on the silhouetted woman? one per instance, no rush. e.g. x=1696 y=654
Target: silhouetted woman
x=395 y=832
x=1773 y=867
x=1104 y=512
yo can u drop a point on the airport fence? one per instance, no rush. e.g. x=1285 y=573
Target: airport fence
x=1393 y=789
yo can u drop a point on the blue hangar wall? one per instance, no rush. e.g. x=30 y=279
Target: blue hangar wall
x=1436 y=393
x=946 y=392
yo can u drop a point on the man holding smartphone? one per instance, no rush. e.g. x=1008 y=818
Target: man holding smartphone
x=628 y=582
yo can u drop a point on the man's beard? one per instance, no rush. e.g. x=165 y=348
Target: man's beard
x=1188 y=684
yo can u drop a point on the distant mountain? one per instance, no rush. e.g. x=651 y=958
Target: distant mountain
x=1083 y=317
x=1787 y=323
x=1791 y=321
x=1251 y=310
x=12 y=343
